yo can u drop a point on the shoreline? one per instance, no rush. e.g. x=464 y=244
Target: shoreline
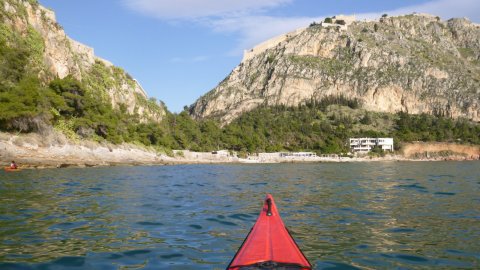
x=49 y=164
x=33 y=151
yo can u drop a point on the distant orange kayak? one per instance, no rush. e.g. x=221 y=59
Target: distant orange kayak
x=8 y=169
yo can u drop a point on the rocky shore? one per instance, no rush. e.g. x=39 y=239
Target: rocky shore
x=56 y=151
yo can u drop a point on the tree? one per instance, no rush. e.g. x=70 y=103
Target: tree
x=377 y=151
x=73 y=94
x=367 y=119
x=25 y=106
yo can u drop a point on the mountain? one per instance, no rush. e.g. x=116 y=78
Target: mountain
x=34 y=47
x=414 y=63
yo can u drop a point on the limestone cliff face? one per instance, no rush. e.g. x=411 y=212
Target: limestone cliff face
x=63 y=56
x=414 y=63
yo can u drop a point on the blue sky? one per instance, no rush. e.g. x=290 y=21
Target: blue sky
x=179 y=50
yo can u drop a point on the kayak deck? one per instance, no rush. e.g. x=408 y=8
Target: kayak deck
x=269 y=245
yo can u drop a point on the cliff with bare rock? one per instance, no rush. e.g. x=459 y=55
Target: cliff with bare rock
x=414 y=63
x=52 y=54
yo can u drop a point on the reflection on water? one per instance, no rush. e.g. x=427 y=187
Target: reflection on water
x=365 y=215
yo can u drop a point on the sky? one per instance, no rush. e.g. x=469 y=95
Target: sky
x=179 y=50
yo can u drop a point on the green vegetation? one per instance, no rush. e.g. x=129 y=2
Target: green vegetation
x=19 y=7
x=30 y=102
x=99 y=79
x=325 y=128
x=322 y=126
x=330 y=66
x=466 y=52
x=426 y=128
x=24 y=102
x=33 y=2
x=377 y=151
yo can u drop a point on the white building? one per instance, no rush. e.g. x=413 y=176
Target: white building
x=340 y=21
x=366 y=145
x=348 y=19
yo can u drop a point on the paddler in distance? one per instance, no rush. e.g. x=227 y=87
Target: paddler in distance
x=13 y=165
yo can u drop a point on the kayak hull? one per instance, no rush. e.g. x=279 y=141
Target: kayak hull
x=269 y=244
x=8 y=169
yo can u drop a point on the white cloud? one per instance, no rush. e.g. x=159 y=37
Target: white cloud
x=246 y=17
x=446 y=9
x=256 y=29
x=197 y=9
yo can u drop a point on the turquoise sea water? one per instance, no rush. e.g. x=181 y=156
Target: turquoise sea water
x=379 y=215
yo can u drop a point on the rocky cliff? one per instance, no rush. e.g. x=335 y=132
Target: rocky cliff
x=59 y=56
x=414 y=63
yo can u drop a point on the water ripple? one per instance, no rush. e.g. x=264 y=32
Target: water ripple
x=344 y=216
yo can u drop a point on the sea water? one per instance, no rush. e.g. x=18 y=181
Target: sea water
x=376 y=215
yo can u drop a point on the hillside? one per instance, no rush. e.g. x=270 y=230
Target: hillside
x=50 y=80
x=308 y=90
x=414 y=63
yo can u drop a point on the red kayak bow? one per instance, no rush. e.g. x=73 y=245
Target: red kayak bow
x=269 y=245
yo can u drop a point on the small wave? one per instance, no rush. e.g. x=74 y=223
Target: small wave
x=171 y=256
x=70 y=261
x=411 y=258
x=240 y=216
x=149 y=223
x=415 y=186
x=136 y=252
x=195 y=226
x=222 y=222
x=445 y=193
x=401 y=230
